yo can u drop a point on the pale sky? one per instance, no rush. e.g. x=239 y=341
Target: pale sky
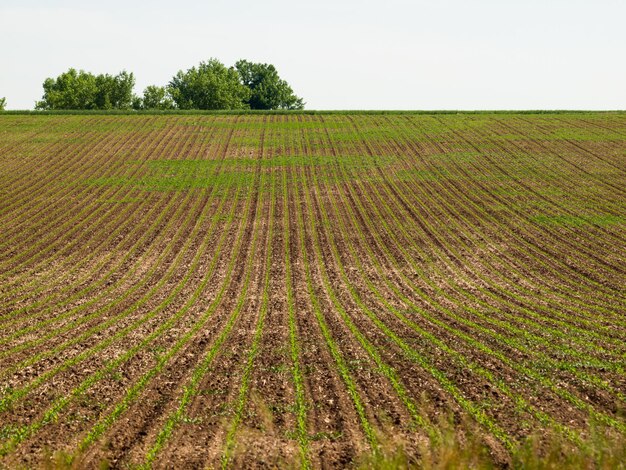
x=337 y=54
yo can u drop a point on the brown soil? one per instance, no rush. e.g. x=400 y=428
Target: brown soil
x=443 y=268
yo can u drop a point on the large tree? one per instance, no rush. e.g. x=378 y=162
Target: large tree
x=268 y=90
x=83 y=90
x=3 y=103
x=209 y=86
x=70 y=90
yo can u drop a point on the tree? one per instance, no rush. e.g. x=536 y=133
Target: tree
x=154 y=97
x=210 y=86
x=115 y=92
x=70 y=90
x=3 y=103
x=83 y=90
x=268 y=90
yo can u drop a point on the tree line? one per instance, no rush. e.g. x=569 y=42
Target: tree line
x=210 y=85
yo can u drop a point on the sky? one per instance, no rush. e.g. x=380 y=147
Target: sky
x=336 y=54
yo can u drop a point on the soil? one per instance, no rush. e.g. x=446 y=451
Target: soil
x=466 y=270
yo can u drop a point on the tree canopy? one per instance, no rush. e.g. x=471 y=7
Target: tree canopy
x=83 y=90
x=3 y=103
x=209 y=86
x=115 y=92
x=268 y=90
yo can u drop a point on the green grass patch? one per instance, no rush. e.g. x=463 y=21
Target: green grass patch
x=195 y=167
x=584 y=134
x=577 y=221
x=182 y=175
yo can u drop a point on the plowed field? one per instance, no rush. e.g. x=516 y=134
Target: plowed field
x=324 y=290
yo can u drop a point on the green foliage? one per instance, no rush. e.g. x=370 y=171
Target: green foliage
x=212 y=85
x=154 y=97
x=114 y=92
x=209 y=86
x=3 y=103
x=70 y=90
x=268 y=90
x=83 y=90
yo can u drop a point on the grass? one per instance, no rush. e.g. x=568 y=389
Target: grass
x=578 y=221
x=460 y=446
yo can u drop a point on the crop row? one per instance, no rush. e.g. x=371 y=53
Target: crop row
x=207 y=289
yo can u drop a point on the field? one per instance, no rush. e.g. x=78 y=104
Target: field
x=312 y=290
